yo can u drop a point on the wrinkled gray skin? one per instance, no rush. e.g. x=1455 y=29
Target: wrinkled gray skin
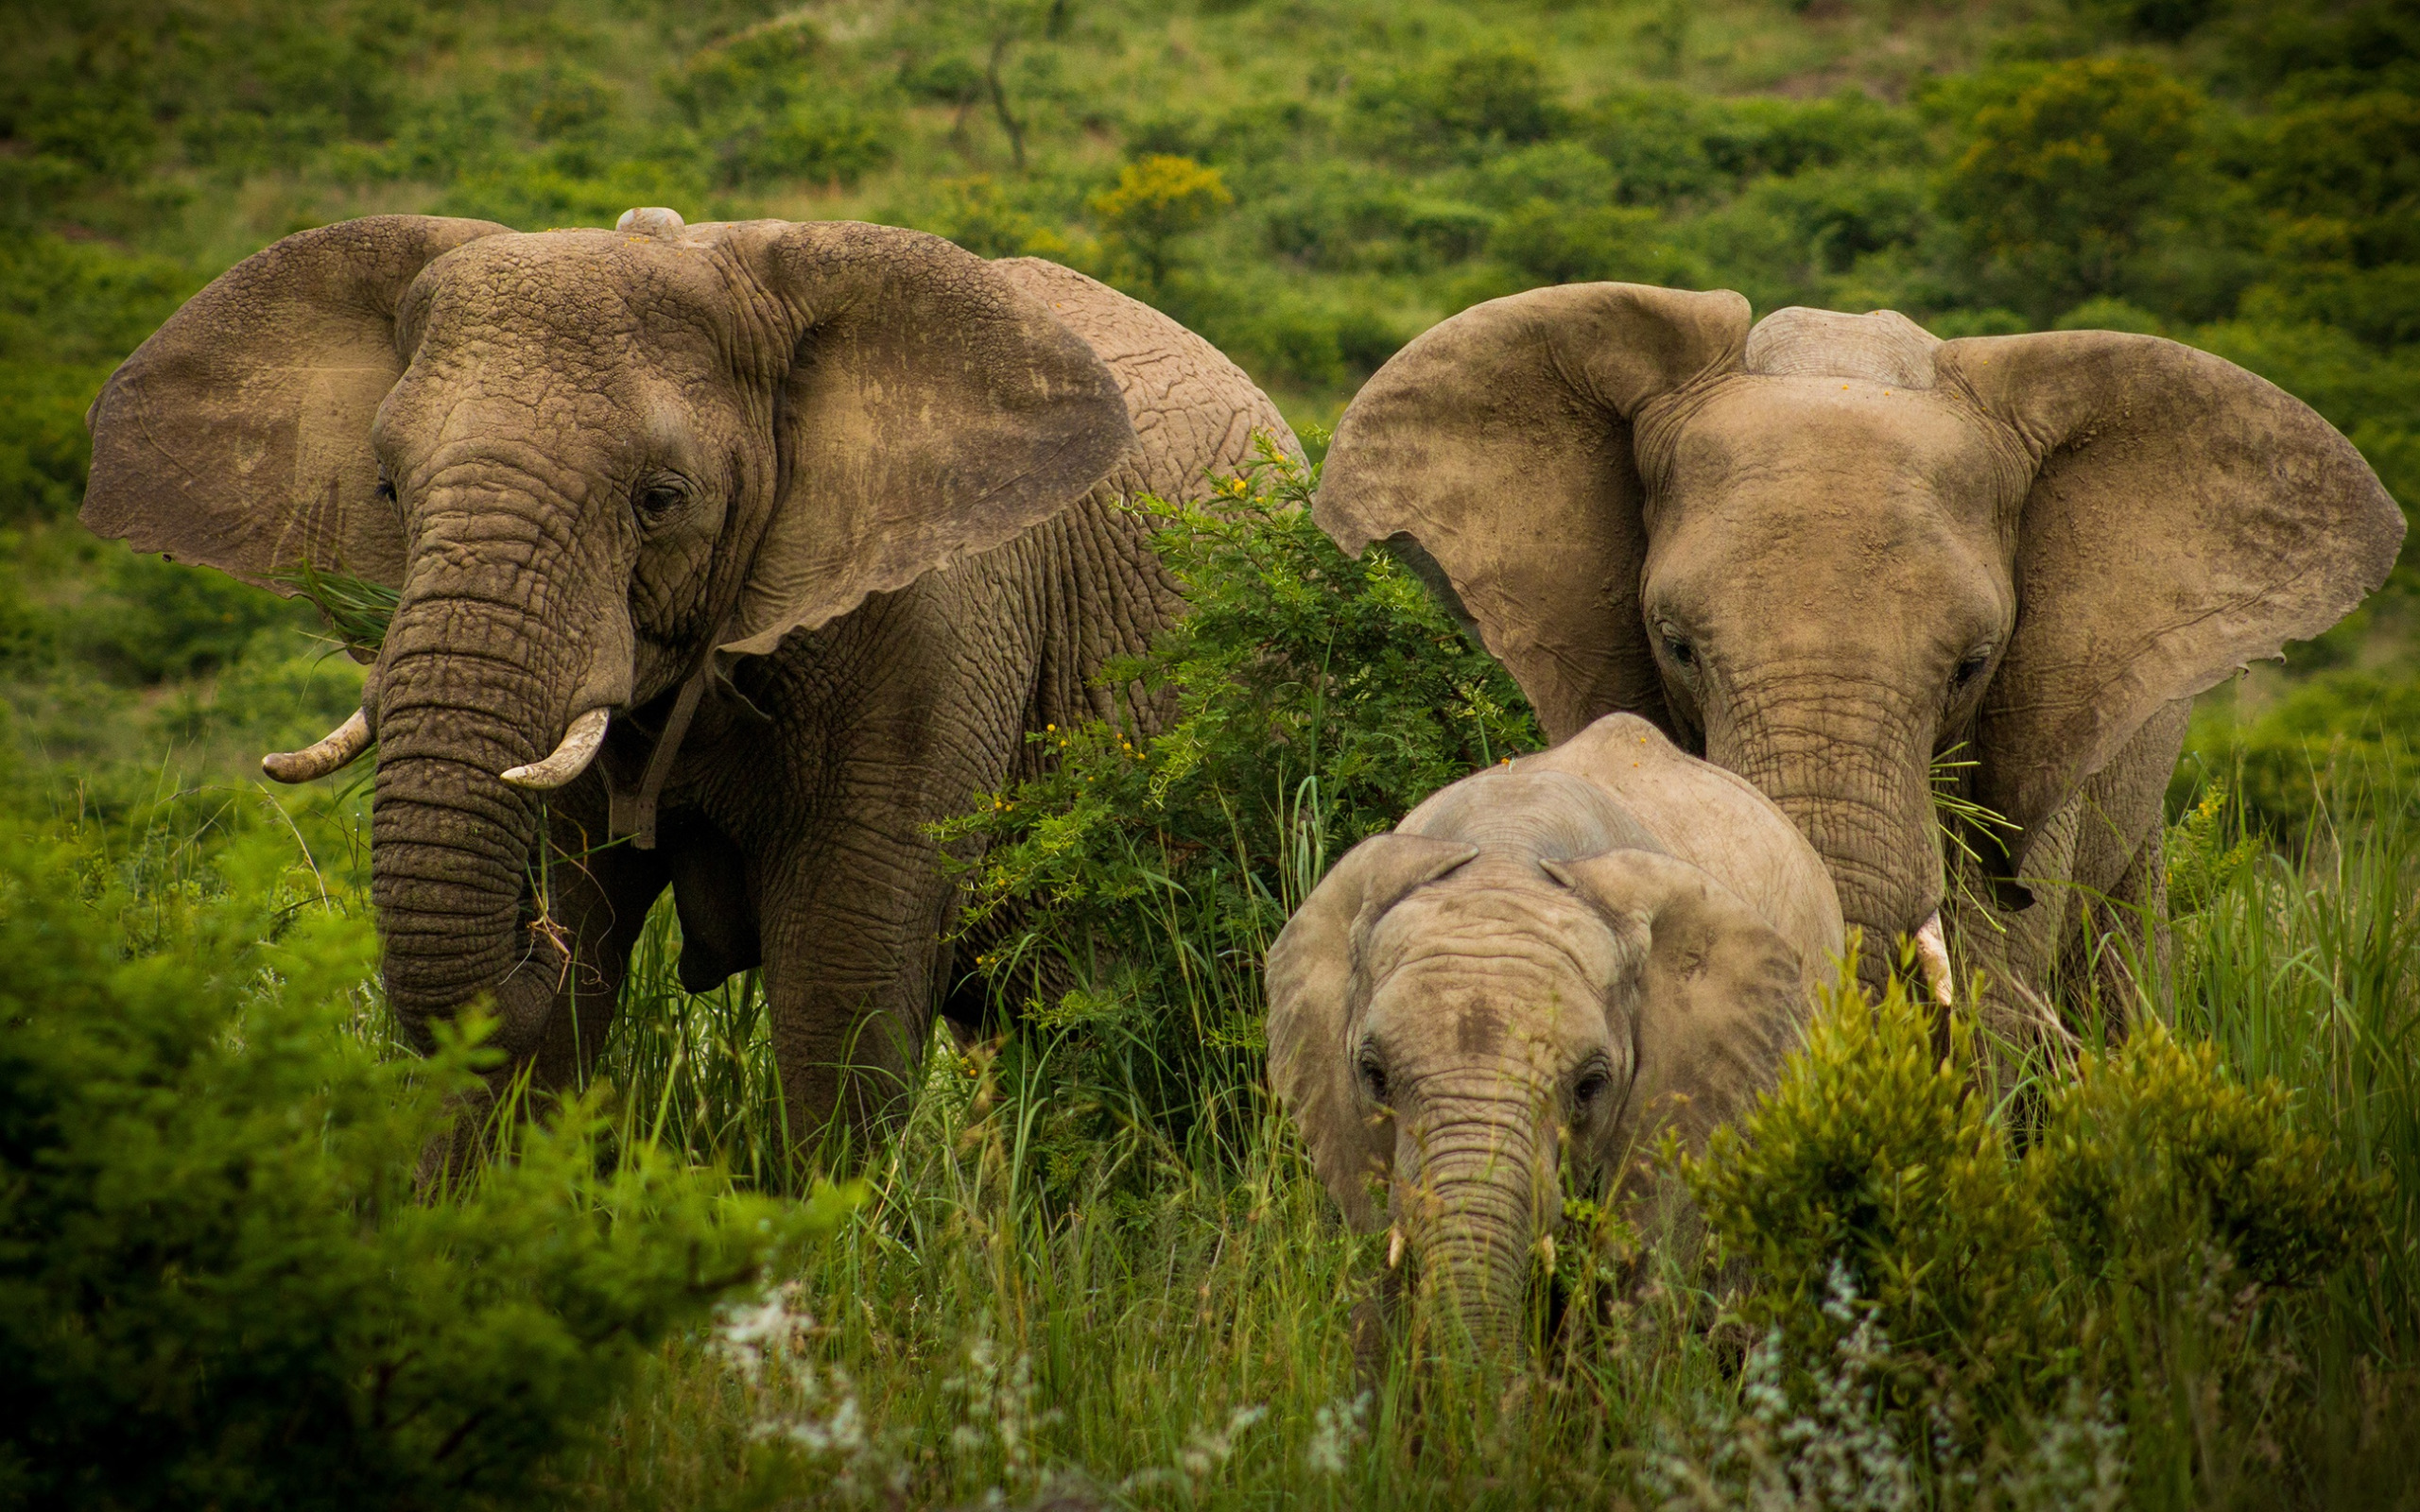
x=851 y=482
x=1825 y=552
x=1544 y=965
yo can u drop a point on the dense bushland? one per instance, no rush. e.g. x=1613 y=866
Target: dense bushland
x=1309 y=182
x=224 y=1285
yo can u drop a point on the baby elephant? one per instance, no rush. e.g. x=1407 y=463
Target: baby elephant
x=1557 y=959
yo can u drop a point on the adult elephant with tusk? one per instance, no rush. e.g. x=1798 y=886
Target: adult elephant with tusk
x=727 y=558
x=1858 y=565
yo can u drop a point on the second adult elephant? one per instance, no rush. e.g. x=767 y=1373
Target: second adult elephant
x=1829 y=551
x=728 y=558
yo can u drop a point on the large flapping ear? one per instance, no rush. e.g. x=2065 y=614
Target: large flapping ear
x=932 y=410
x=2185 y=518
x=1722 y=1002
x=238 y=435
x=1499 y=444
x=1310 y=981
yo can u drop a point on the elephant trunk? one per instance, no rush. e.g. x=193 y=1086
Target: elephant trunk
x=1479 y=1210
x=475 y=679
x=1848 y=760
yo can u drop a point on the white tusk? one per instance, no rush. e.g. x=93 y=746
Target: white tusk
x=1395 y=1246
x=1545 y=1249
x=571 y=758
x=1933 y=954
x=338 y=751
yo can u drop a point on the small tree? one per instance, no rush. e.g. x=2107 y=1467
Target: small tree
x=1155 y=203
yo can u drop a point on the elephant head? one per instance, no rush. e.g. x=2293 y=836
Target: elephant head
x=1825 y=551
x=1456 y=1027
x=589 y=463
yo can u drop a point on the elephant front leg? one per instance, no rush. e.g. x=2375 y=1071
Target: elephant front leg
x=854 y=958
x=593 y=899
x=2113 y=964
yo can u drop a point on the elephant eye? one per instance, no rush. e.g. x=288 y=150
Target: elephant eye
x=1373 y=1076
x=1677 y=646
x=1590 y=1087
x=386 y=486
x=659 y=499
x=1969 y=669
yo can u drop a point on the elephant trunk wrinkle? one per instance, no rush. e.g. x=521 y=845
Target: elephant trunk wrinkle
x=1474 y=1255
x=468 y=689
x=1845 y=757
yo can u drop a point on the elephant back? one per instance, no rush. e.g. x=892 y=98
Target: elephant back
x=1716 y=821
x=1195 y=412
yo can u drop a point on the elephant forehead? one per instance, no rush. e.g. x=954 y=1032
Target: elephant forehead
x=1494 y=958
x=580 y=288
x=1809 y=438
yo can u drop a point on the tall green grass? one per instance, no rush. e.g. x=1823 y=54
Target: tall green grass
x=989 y=1323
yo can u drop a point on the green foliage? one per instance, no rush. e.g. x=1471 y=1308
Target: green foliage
x=1311 y=700
x=68 y=314
x=2201 y=853
x=2064 y=167
x=1878 y=1184
x=1877 y=1155
x=1153 y=203
x=221 y=1288
x=2337 y=731
x=1460 y=107
x=767 y=117
x=2148 y=1155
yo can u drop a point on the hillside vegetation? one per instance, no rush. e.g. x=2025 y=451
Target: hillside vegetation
x=1309 y=184
x=1094 y=1264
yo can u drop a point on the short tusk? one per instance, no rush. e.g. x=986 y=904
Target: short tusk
x=1395 y=1246
x=571 y=758
x=338 y=751
x=1933 y=954
x=1545 y=1249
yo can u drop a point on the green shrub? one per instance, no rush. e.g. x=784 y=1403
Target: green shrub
x=68 y=313
x=765 y=107
x=1560 y=244
x=2339 y=731
x=1878 y=1183
x=1877 y=1156
x=218 y=1285
x=1154 y=204
x=2156 y=1150
x=1460 y=107
x=1125 y=895
x=158 y=620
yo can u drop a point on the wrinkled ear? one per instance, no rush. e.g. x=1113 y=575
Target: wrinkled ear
x=1309 y=980
x=2185 y=518
x=238 y=435
x=1499 y=444
x=1722 y=1002
x=932 y=410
